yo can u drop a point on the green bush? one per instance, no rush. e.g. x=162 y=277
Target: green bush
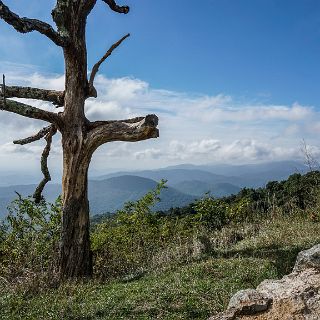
x=29 y=241
x=210 y=212
x=126 y=241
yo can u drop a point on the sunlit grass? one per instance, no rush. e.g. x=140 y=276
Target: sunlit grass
x=193 y=290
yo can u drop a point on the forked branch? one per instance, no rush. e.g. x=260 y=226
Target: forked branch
x=28 y=111
x=130 y=130
x=48 y=133
x=113 y=6
x=56 y=97
x=44 y=165
x=25 y=25
x=35 y=137
x=95 y=69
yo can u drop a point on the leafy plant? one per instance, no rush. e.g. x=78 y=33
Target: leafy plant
x=125 y=241
x=30 y=238
x=210 y=212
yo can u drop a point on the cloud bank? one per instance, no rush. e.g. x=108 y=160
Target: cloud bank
x=194 y=128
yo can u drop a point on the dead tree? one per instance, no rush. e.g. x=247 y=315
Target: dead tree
x=80 y=137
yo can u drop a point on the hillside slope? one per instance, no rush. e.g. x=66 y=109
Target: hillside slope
x=111 y=194
x=106 y=195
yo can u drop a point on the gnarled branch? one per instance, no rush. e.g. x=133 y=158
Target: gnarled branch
x=44 y=165
x=56 y=97
x=95 y=69
x=35 y=137
x=25 y=25
x=130 y=130
x=113 y=6
x=29 y=111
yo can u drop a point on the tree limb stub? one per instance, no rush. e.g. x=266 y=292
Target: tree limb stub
x=44 y=165
x=25 y=25
x=113 y=6
x=56 y=97
x=95 y=69
x=35 y=137
x=98 y=123
x=130 y=130
x=29 y=111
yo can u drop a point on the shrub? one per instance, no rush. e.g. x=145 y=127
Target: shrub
x=125 y=242
x=210 y=212
x=30 y=238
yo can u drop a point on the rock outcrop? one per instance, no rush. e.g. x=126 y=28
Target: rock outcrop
x=294 y=297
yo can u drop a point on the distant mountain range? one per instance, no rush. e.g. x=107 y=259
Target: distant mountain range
x=250 y=175
x=106 y=195
x=186 y=182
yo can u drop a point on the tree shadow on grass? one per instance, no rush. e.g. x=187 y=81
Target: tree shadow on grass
x=282 y=258
x=152 y=313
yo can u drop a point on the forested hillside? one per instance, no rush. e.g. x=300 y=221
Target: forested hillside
x=185 y=183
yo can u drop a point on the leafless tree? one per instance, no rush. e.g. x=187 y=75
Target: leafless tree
x=80 y=137
x=309 y=158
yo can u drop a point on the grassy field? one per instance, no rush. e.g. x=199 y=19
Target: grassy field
x=193 y=290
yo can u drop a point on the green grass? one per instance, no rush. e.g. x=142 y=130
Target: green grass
x=193 y=291
x=188 y=291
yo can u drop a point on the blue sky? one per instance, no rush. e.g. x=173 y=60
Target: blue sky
x=251 y=68
x=248 y=48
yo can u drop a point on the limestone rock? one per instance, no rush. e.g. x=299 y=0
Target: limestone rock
x=308 y=259
x=294 y=297
x=249 y=301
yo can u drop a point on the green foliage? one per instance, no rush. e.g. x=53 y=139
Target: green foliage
x=241 y=210
x=29 y=239
x=125 y=241
x=210 y=212
x=297 y=193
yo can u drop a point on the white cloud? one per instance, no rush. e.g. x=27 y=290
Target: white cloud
x=193 y=127
x=122 y=89
x=149 y=154
x=215 y=151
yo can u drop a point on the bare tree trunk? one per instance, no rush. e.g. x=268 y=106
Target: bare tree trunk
x=75 y=256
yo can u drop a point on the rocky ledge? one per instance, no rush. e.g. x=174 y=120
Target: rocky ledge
x=294 y=297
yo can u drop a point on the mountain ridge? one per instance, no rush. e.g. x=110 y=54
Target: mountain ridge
x=185 y=183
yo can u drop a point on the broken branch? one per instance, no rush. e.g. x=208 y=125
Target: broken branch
x=96 y=124
x=113 y=6
x=28 y=111
x=96 y=67
x=25 y=25
x=130 y=130
x=44 y=165
x=56 y=97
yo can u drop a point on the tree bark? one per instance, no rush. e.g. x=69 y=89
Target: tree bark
x=75 y=255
